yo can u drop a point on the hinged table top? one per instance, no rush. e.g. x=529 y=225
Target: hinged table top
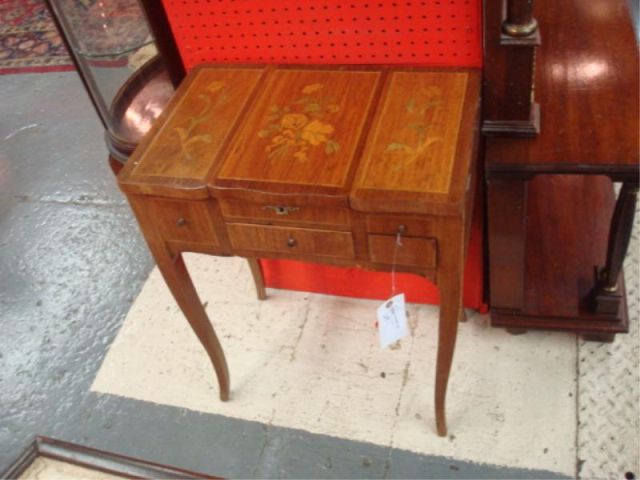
x=377 y=139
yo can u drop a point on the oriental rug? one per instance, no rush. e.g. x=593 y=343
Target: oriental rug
x=29 y=41
x=107 y=33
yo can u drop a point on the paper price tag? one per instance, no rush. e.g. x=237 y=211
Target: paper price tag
x=392 y=321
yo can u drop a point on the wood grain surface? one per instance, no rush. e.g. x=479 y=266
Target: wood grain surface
x=409 y=251
x=302 y=131
x=508 y=75
x=184 y=144
x=193 y=136
x=294 y=241
x=409 y=226
x=237 y=210
x=587 y=86
x=545 y=245
x=558 y=274
x=188 y=221
x=413 y=138
x=422 y=144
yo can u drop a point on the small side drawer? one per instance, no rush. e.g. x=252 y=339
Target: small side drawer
x=234 y=210
x=418 y=252
x=295 y=241
x=184 y=220
x=410 y=226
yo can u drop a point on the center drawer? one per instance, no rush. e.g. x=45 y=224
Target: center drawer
x=296 y=241
x=301 y=214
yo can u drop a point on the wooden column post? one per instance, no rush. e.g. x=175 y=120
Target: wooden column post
x=512 y=36
x=606 y=296
x=519 y=21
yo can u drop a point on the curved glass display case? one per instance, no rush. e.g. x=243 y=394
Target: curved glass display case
x=115 y=54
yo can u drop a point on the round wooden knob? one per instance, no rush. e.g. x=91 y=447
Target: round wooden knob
x=291 y=242
x=181 y=222
x=402 y=229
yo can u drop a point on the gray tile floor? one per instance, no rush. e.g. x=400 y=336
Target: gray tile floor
x=71 y=263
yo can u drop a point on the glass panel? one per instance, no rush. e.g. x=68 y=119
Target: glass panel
x=117 y=58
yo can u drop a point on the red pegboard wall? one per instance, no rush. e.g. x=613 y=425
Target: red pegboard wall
x=430 y=32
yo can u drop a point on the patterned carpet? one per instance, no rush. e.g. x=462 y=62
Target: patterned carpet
x=107 y=32
x=29 y=41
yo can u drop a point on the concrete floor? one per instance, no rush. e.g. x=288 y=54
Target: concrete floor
x=71 y=263
x=71 y=257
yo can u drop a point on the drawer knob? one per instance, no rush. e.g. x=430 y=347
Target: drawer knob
x=291 y=242
x=281 y=209
x=402 y=229
x=181 y=222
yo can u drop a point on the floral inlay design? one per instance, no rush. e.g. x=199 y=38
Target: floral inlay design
x=296 y=128
x=215 y=96
x=417 y=107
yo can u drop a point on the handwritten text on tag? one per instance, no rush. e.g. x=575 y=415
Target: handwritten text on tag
x=392 y=321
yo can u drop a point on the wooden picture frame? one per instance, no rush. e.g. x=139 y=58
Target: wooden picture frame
x=91 y=458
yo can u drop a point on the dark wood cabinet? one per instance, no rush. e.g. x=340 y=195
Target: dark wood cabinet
x=551 y=198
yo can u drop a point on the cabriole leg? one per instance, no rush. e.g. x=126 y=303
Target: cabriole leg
x=450 y=282
x=258 y=278
x=179 y=282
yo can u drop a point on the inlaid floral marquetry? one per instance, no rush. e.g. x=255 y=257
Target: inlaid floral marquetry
x=302 y=124
x=194 y=134
x=419 y=141
x=215 y=95
x=370 y=138
x=303 y=129
x=408 y=149
x=414 y=136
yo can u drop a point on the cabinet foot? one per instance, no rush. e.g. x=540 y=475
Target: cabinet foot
x=516 y=331
x=599 y=337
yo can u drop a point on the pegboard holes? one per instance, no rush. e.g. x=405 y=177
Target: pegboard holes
x=435 y=32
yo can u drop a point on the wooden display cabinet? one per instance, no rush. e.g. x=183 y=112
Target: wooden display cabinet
x=556 y=241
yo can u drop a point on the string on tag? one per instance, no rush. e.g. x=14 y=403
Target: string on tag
x=396 y=247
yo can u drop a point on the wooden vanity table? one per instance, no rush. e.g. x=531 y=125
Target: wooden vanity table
x=341 y=165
